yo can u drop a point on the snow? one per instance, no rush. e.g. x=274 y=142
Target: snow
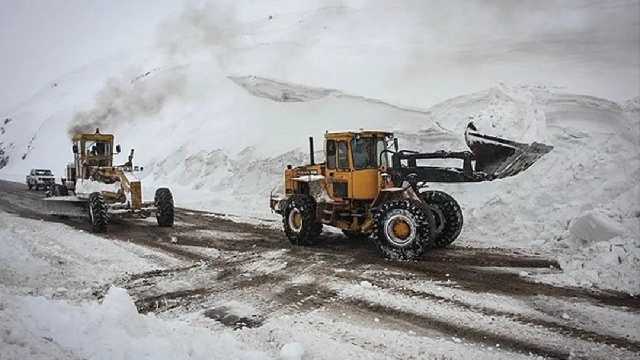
x=292 y=351
x=112 y=329
x=594 y=226
x=42 y=258
x=84 y=187
x=465 y=318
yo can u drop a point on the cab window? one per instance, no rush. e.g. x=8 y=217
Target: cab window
x=364 y=153
x=343 y=155
x=331 y=154
x=381 y=146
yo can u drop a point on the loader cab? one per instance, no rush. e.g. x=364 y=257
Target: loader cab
x=354 y=161
x=92 y=150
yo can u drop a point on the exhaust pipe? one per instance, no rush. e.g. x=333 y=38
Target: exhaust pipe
x=311 y=159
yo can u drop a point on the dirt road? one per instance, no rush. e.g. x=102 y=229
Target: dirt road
x=483 y=297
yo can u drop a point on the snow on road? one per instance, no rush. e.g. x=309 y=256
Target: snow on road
x=47 y=259
x=68 y=294
x=48 y=282
x=40 y=328
x=47 y=308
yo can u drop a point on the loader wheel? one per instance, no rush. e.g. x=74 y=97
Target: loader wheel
x=98 y=212
x=402 y=229
x=299 y=220
x=29 y=185
x=165 y=213
x=447 y=214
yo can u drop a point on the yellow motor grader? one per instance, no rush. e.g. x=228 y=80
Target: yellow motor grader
x=367 y=187
x=95 y=186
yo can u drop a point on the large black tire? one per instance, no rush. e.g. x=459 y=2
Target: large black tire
x=165 y=211
x=98 y=215
x=447 y=214
x=418 y=224
x=300 y=224
x=29 y=185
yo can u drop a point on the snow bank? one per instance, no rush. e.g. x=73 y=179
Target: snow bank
x=49 y=259
x=594 y=226
x=112 y=329
x=84 y=187
x=600 y=251
x=292 y=351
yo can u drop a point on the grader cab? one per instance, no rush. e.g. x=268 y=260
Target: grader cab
x=367 y=187
x=94 y=185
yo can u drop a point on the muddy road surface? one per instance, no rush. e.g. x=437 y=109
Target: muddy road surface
x=249 y=278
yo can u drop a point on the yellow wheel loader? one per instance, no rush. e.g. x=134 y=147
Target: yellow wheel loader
x=367 y=187
x=93 y=186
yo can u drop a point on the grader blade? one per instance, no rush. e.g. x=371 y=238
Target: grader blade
x=71 y=206
x=500 y=158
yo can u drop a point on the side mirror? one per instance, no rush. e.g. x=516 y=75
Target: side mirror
x=118 y=149
x=75 y=148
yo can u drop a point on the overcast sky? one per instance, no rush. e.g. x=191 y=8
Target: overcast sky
x=598 y=40
x=41 y=40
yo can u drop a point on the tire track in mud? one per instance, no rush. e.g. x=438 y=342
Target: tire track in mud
x=506 y=283
x=475 y=335
x=296 y=297
x=556 y=327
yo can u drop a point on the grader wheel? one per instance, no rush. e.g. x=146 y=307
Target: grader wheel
x=165 y=211
x=98 y=215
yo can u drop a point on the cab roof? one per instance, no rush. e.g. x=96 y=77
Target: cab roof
x=93 y=137
x=351 y=134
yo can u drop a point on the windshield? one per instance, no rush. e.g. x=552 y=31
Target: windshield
x=366 y=152
x=98 y=148
x=43 y=172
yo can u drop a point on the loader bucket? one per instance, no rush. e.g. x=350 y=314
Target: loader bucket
x=499 y=158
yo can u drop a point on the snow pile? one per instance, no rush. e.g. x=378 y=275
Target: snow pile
x=593 y=226
x=602 y=247
x=48 y=259
x=292 y=351
x=84 y=187
x=110 y=330
x=576 y=202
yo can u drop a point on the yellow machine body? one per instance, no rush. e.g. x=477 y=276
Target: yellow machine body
x=349 y=182
x=93 y=160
